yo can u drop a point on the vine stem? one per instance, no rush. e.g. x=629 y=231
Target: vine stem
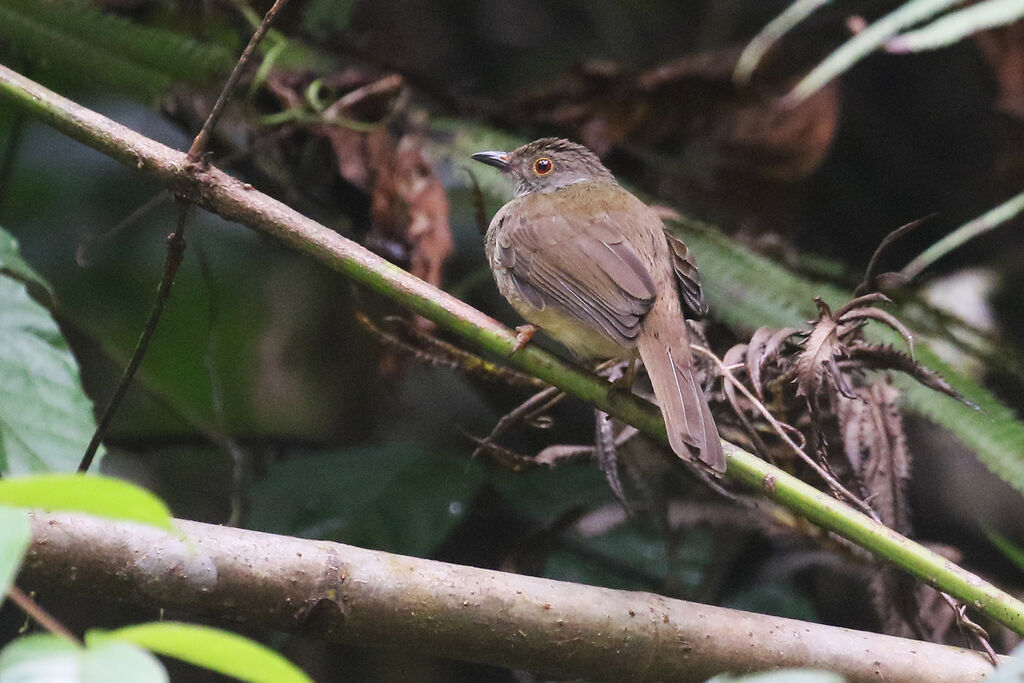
x=175 y=254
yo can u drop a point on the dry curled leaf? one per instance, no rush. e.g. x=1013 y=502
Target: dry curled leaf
x=409 y=207
x=832 y=339
x=885 y=357
x=764 y=346
x=876 y=448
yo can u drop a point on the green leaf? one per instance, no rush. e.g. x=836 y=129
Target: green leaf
x=221 y=651
x=1013 y=552
x=395 y=497
x=94 y=495
x=41 y=658
x=777 y=598
x=15 y=535
x=958 y=25
x=119 y=661
x=45 y=658
x=45 y=418
x=72 y=41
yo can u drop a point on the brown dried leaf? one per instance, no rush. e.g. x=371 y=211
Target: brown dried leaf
x=409 y=206
x=764 y=347
x=908 y=608
x=857 y=302
x=821 y=346
x=734 y=356
x=607 y=455
x=885 y=357
x=882 y=317
x=876 y=447
x=351 y=153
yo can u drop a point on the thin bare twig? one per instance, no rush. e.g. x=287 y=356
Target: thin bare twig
x=195 y=152
x=527 y=407
x=435 y=352
x=175 y=253
x=971 y=630
x=34 y=610
x=84 y=254
x=175 y=250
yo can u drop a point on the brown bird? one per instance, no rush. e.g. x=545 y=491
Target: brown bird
x=583 y=259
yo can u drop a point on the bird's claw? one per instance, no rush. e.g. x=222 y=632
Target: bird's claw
x=524 y=333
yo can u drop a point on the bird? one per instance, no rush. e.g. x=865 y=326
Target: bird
x=582 y=258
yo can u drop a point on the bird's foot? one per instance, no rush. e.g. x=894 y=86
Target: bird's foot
x=624 y=381
x=524 y=333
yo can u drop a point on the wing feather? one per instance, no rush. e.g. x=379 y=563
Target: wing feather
x=584 y=268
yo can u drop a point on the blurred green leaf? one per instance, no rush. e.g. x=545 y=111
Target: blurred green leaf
x=627 y=556
x=546 y=494
x=121 y=662
x=40 y=658
x=324 y=18
x=778 y=599
x=395 y=497
x=94 y=495
x=15 y=535
x=226 y=653
x=74 y=41
x=1013 y=552
x=958 y=25
x=45 y=418
x=44 y=658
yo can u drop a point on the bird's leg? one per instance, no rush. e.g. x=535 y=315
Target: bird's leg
x=524 y=333
x=624 y=382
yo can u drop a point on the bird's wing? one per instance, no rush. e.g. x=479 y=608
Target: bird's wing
x=687 y=277
x=571 y=255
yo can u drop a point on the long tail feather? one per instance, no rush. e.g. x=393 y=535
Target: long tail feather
x=687 y=415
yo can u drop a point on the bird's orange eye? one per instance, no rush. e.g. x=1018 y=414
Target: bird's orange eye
x=543 y=166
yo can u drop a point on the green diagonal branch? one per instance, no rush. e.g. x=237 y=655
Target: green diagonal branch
x=230 y=198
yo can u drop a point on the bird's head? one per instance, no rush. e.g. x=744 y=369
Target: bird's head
x=546 y=165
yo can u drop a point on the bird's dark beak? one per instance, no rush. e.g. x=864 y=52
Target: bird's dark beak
x=498 y=160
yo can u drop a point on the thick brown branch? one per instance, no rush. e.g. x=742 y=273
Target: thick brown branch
x=365 y=597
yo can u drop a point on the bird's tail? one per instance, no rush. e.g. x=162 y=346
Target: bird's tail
x=687 y=416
